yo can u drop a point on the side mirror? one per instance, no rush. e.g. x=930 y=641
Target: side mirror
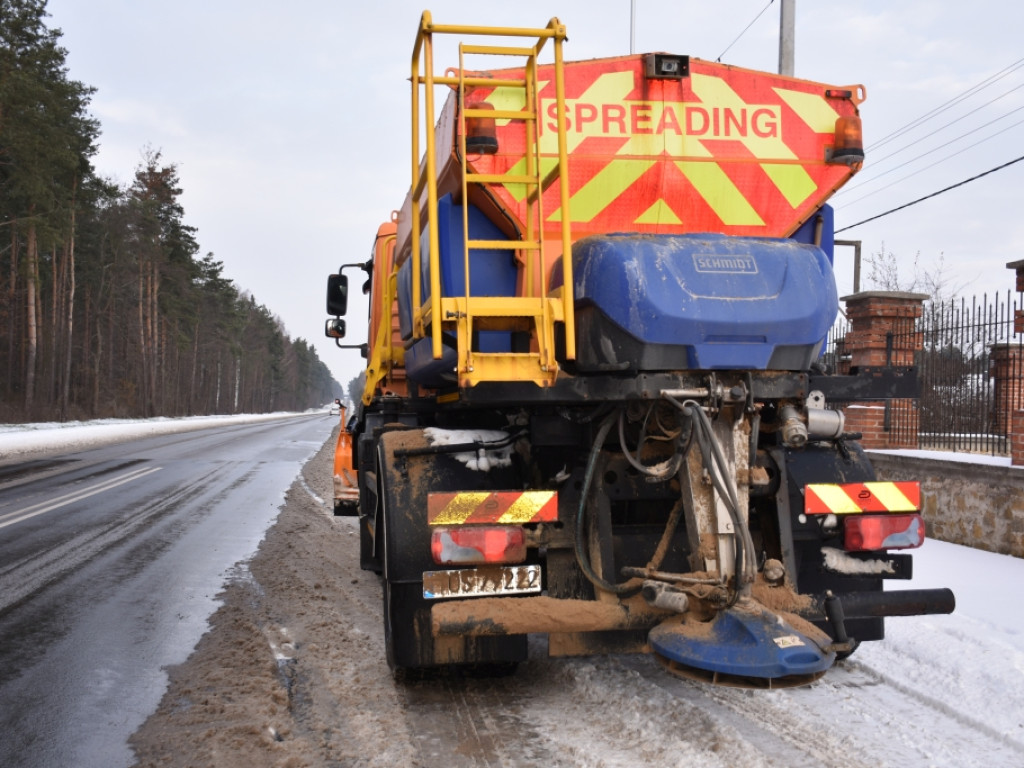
x=337 y=296
x=335 y=328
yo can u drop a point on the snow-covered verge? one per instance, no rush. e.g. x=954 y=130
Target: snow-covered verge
x=29 y=440
x=963 y=458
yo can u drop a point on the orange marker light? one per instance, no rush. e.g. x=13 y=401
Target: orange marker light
x=849 y=146
x=481 y=134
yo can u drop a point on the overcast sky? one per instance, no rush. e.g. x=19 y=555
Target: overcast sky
x=289 y=121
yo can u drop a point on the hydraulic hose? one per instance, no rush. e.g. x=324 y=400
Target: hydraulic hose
x=717 y=466
x=629 y=588
x=662 y=471
x=582 y=559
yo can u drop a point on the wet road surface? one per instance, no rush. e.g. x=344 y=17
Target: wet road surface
x=110 y=562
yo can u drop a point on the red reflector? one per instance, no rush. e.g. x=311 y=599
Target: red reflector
x=467 y=545
x=865 y=533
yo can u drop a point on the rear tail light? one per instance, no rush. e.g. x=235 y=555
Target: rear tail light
x=472 y=545
x=866 y=533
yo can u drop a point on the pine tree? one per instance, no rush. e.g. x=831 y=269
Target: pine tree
x=46 y=140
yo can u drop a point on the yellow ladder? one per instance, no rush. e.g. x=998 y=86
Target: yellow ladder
x=539 y=309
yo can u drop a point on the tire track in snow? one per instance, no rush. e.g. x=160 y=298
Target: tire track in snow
x=855 y=716
x=791 y=742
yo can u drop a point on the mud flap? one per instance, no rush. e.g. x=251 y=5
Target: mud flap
x=406 y=479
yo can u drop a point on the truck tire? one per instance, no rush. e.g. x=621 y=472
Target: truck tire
x=408 y=641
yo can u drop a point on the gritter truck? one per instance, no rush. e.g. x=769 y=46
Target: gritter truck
x=596 y=409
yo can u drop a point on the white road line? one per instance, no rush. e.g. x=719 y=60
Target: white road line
x=10 y=518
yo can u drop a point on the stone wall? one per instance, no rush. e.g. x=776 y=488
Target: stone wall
x=977 y=505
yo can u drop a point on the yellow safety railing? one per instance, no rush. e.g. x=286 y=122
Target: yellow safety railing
x=384 y=357
x=539 y=309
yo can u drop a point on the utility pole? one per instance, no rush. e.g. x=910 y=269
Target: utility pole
x=632 y=27
x=787 y=36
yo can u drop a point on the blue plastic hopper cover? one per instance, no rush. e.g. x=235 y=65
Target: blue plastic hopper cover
x=732 y=302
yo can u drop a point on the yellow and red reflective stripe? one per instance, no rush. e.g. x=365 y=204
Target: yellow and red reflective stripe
x=505 y=507
x=854 y=498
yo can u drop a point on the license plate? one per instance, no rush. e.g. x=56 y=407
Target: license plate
x=482 y=582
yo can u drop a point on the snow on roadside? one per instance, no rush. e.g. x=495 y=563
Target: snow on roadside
x=969 y=664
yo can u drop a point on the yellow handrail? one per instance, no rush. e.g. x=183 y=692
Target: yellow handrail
x=424 y=177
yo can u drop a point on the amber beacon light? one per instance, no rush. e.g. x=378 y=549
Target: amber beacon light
x=849 y=146
x=481 y=135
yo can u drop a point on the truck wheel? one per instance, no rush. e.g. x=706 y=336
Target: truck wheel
x=408 y=641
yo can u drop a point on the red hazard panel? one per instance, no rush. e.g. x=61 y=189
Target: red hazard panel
x=721 y=150
x=853 y=498
x=510 y=507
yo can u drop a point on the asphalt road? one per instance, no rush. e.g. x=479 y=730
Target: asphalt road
x=110 y=563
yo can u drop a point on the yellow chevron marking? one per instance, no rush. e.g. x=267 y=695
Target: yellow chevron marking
x=598 y=193
x=891 y=497
x=715 y=91
x=518 y=191
x=795 y=184
x=460 y=508
x=720 y=193
x=506 y=97
x=526 y=507
x=812 y=109
x=835 y=499
x=659 y=213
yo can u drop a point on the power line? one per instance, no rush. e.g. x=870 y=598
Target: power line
x=741 y=34
x=933 y=194
x=875 y=161
x=928 y=152
x=949 y=104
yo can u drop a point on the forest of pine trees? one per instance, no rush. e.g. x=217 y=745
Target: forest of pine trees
x=106 y=307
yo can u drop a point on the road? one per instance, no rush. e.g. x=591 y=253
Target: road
x=110 y=563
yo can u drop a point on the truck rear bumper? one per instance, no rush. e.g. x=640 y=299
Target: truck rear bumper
x=488 y=616
x=495 y=616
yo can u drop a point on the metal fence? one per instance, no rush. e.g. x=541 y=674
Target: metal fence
x=970 y=372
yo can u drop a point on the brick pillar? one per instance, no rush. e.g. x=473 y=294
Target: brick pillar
x=1018 y=315
x=1017 y=439
x=1006 y=367
x=882 y=333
